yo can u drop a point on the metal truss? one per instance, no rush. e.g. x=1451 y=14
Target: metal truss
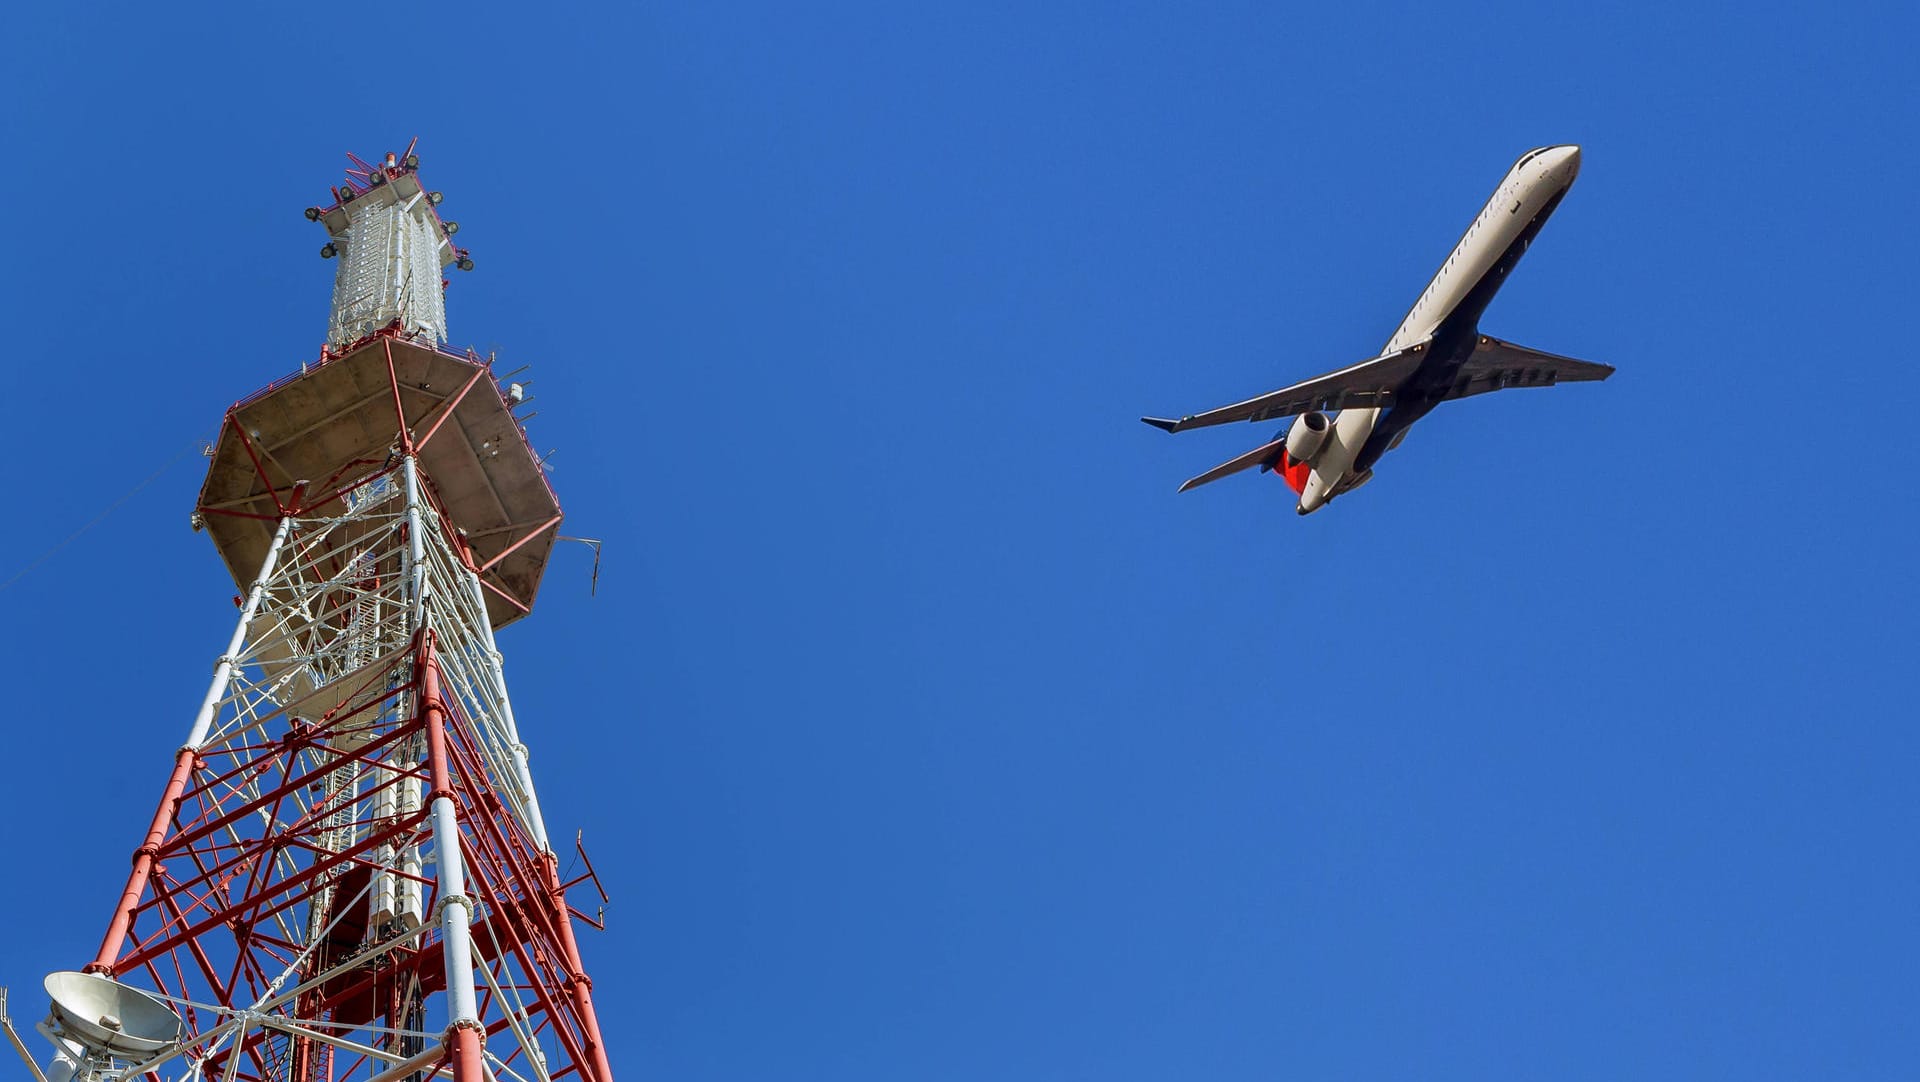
x=348 y=878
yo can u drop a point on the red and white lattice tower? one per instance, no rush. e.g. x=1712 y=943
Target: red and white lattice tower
x=348 y=878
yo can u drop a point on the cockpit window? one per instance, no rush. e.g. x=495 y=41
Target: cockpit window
x=1530 y=155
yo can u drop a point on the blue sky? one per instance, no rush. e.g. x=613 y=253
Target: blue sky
x=919 y=729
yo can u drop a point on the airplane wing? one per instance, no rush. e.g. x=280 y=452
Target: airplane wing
x=1496 y=365
x=1263 y=457
x=1369 y=383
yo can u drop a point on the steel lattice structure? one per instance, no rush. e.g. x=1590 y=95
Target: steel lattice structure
x=348 y=877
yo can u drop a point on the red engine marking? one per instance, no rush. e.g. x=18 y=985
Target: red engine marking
x=1294 y=473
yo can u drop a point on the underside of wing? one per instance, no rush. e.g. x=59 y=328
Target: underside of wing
x=1369 y=383
x=1497 y=365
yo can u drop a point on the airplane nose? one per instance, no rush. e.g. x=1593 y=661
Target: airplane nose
x=1569 y=160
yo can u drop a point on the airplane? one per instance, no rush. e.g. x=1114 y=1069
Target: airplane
x=1438 y=354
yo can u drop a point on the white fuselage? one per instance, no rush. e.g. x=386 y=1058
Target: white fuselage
x=1539 y=177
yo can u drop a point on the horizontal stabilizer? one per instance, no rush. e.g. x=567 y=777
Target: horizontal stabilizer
x=1497 y=365
x=1369 y=383
x=1263 y=457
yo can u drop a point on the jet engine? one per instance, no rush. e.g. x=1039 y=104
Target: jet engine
x=1307 y=436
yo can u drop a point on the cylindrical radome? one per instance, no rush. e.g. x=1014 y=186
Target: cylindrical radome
x=390 y=255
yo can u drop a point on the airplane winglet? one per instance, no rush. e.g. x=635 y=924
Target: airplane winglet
x=1162 y=424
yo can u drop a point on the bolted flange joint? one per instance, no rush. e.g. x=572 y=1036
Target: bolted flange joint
x=446 y=1039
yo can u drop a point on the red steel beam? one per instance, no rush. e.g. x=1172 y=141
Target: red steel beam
x=446 y=411
x=143 y=859
x=399 y=411
x=259 y=470
x=530 y=535
x=507 y=597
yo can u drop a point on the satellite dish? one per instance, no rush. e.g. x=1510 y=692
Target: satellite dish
x=108 y=1016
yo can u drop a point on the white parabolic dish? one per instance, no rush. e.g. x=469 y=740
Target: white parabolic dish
x=108 y=1016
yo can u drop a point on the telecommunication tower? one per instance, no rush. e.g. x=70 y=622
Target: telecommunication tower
x=348 y=878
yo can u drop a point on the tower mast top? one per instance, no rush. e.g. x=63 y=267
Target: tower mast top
x=391 y=243
x=386 y=389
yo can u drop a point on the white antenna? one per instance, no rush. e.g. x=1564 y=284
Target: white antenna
x=105 y=1018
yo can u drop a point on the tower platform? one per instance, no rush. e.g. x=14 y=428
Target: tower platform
x=309 y=441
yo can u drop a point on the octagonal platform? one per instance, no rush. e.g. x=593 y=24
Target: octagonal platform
x=339 y=422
